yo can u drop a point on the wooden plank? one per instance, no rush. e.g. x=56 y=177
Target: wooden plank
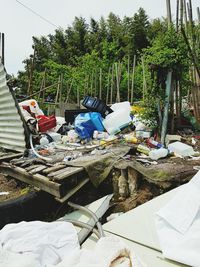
x=53 y=169
x=37 y=180
x=52 y=174
x=70 y=171
x=29 y=168
x=38 y=169
x=9 y=157
x=73 y=191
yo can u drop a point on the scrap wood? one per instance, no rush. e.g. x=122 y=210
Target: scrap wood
x=29 y=168
x=6 y=157
x=36 y=180
x=38 y=169
x=69 y=171
x=26 y=161
x=54 y=168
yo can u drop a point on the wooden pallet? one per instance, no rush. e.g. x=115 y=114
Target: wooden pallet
x=57 y=179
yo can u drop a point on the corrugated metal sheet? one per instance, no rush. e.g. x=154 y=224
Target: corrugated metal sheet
x=12 y=130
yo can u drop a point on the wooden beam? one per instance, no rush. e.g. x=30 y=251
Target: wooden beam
x=54 y=168
x=73 y=191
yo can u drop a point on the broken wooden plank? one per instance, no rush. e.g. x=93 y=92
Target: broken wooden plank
x=36 y=180
x=10 y=157
x=73 y=191
x=69 y=171
x=38 y=169
x=52 y=174
x=54 y=168
x=29 y=168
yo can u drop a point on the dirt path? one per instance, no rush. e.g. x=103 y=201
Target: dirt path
x=12 y=187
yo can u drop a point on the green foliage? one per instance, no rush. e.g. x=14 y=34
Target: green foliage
x=80 y=52
x=168 y=51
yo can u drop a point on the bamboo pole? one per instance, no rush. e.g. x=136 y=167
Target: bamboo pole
x=91 y=85
x=169 y=14
x=61 y=88
x=191 y=12
x=44 y=85
x=128 y=78
x=86 y=85
x=185 y=15
x=58 y=90
x=119 y=77
x=48 y=87
x=112 y=83
x=95 y=83
x=69 y=91
x=177 y=15
x=181 y=12
x=144 y=79
x=172 y=106
x=78 y=97
x=133 y=78
x=31 y=68
x=108 y=86
x=198 y=14
x=191 y=52
x=100 y=84
x=117 y=80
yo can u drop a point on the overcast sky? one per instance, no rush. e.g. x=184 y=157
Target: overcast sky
x=19 y=24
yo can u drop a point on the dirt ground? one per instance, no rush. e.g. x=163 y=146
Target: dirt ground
x=13 y=187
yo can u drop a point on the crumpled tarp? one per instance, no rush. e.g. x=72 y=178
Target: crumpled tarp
x=98 y=167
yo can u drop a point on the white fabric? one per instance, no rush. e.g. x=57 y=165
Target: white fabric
x=178 y=225
x=46 y=243
x=108 y=252
x=10 y=259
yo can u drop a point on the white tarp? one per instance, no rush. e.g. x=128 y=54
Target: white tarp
x=178 y=224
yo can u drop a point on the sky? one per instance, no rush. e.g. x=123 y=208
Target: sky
x=19 y=24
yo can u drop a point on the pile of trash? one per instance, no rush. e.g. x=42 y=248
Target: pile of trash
x=98 y=128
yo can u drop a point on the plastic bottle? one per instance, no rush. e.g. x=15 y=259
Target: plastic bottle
x=44 y=141
x=143 y=149
x=156 y=154
x=152 y=143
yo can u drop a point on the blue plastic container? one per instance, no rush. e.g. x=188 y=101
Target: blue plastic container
x=86 y=123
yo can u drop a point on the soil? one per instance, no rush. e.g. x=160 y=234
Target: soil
x=14 y=188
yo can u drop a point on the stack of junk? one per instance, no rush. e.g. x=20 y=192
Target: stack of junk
x=99 y=125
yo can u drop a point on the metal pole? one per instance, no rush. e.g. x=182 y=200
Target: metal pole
x=166 y=107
